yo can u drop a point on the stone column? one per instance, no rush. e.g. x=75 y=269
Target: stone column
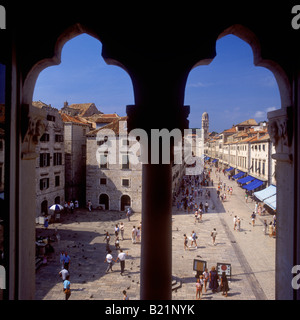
x=281 y=133
x=32 y=129
x=156 y=250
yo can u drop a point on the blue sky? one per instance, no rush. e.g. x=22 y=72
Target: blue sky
x=231 y=89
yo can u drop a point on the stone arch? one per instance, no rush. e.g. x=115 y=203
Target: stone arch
x=249 y=36
x=31 y=78
x=68 y=34
x=104 y=200
x=125 y=200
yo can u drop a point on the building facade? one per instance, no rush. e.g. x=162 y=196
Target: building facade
x=246 y=147
x=75 y=130
x=112 y=185
x=50 y=163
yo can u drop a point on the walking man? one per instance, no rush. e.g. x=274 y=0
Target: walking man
x=133 y=234
x=253 y=216
x=122 y=255
x=109 y=259
x=213 y=236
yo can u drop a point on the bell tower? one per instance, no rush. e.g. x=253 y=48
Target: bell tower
x=205 y=125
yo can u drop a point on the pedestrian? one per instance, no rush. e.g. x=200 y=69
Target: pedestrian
x=61 y=259
x=109 y=259
x=90 y=205
x=238 y=224
x=107 y=239
x=246 y=196
x=193 y=239
x=117 y=229
x=125 y=297
x=206 y=206
x=76 y=203
x=66 y=207
x=224 y=284
x=66 y=260
x=213 y=280
x=122 y=256
x=67 y=287
x=234 y=222
x=213 y=236
x=198 y=289
x=46 y=222
x=265 y=229
x=205 y=278
x=128 y=213
x=185 y=243
x=117 y=243
x=64 y=273
x=122 y=230
x=138 y=234
x=72 y=206
x=271 y=229
x=253 y=216
x=200 y=214
x=133 y=235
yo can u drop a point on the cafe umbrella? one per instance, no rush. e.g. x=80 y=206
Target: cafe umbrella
x=56 y=208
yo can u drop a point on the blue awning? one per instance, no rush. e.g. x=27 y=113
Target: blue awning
x=253 y=185
x=238 y=175
x=265 y=193
x=229 y=169
x=246 y=179
x=215 y=160
x=271 y=202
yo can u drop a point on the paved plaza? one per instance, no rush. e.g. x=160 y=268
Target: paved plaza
x=250 y=252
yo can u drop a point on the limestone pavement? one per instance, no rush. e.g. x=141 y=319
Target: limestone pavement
x=250 y=252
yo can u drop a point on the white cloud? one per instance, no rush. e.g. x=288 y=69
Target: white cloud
x=263 y=114
x=260 y=115
x=271 y=109
x=199 y=85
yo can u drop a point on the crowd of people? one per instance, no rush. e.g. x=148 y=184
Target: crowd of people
x=192 y=197
x=215 y=282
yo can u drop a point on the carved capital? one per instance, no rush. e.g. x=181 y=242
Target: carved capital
x=33 y=127
x=281 y=133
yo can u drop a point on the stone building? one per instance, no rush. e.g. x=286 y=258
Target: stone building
x=112 y=185
x=75 y=130
x=50 y=163
x=80 y=109
x=245 y=147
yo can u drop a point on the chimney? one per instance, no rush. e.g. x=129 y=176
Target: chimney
x=66 y=104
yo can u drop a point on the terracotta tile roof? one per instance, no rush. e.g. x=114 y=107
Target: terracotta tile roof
x=249 y=122
x=114 y=126
x=231 y=130
x=66 y=118
x=80 y=106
